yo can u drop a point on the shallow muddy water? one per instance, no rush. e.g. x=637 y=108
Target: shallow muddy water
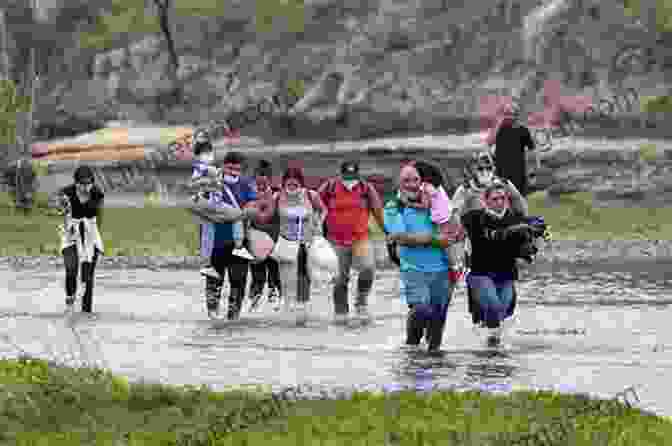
x=584 y=329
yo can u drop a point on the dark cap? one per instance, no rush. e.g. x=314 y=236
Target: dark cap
x=84 y=174
x=264 y=169
x=350 y=169
x=202 y=135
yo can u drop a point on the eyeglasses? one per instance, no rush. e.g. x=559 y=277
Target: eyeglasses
x=483 y=169
x=497 y=198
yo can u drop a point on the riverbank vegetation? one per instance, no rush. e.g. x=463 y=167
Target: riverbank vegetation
x=44 y=404
x=161 y=231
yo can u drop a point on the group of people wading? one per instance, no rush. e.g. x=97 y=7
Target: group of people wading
x=233 y=205
x=433 y=238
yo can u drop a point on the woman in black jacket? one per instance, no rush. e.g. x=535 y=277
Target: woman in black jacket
x=81 y=243
x=498 y=237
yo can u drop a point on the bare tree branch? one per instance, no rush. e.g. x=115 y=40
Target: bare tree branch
x=164 y=22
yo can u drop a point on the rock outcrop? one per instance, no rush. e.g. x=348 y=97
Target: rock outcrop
x=375 y=68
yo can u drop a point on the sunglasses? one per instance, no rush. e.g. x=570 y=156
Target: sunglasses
x=483 y=169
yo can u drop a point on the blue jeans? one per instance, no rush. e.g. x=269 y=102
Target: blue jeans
x=428 y=295
x=494 y=298
x=425 y=288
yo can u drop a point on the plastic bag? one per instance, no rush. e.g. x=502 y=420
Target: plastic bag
x=259 y=244
x=321 y=255
x=285 y=251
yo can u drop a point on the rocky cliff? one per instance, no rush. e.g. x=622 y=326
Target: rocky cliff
x=373 y=67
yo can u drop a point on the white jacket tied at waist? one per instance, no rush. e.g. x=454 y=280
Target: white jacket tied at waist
x=87 y=241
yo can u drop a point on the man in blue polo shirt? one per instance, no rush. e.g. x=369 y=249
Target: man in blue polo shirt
x=424 y=279
x=238 y=192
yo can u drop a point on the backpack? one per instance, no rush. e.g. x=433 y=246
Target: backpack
x=331 y=191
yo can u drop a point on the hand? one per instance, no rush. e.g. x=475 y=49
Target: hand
x=454 y=234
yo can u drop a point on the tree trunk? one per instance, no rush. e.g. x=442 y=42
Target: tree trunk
x=4 y=47
x=164 y=22
x=7 y=149
x=25 y=180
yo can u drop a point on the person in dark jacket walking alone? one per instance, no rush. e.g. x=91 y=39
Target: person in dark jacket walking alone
x=510 y=139
x=81 y=243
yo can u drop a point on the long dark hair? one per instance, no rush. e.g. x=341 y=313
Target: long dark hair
x=295 y=173
x=83 y=172
x=431 y=173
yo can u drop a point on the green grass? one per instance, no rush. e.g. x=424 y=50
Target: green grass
x=145 y=231
x=174 y=232
x=575 y=218
x=49 y=405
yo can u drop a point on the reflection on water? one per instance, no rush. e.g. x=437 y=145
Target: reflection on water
x=585 y=331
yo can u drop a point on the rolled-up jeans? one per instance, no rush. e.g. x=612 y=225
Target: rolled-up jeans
x=366 y=265
x=494 y=298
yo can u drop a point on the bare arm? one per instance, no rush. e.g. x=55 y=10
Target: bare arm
x=376 y=207
x=318 y=204
x=408 y=239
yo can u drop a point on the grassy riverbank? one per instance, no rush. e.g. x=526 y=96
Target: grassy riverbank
x=52 y=406
x=160 y=231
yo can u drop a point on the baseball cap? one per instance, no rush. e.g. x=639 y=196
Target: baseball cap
x=202 y=135
x=350 y=170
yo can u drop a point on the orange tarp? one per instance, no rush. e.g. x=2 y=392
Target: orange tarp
x=111 y=144
x=131 y=153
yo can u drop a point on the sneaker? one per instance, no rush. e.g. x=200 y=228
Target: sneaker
x=363 y=314
x=243 y=252
x=341 y=319
x=209 y=271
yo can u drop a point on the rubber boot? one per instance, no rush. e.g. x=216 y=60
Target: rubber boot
x=435 y=333
x=256 y=296
x=415 y=327
x=235 y=304
x=213 y=291
x=87 y=296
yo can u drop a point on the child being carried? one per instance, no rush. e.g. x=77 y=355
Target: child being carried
x=434 y=197
x=203 y=167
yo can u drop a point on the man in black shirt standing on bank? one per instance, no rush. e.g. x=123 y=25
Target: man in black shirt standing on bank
x=510 y=141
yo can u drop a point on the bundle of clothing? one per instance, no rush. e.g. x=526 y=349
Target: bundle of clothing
x=521 y=240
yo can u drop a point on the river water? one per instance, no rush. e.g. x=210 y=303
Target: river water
x=578 y=329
